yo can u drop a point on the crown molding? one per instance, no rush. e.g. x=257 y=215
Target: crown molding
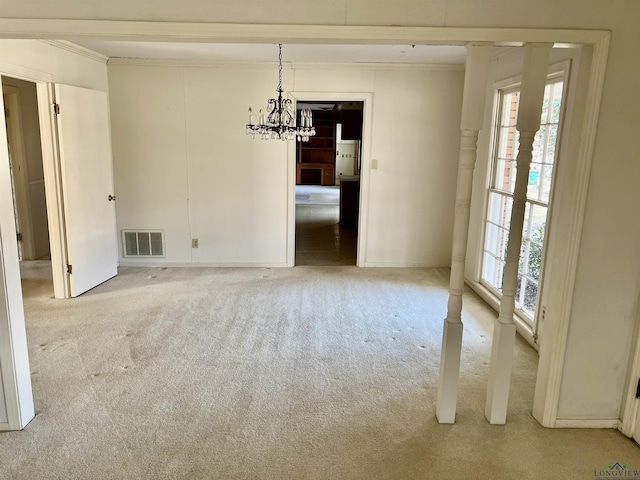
x=273 y=33
x=376 y=66
x=154 y=62
x=78 y=50
x=24 y=73
x=176 y=62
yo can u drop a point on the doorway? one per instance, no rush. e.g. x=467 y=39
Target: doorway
x=327 y=191
x=28 y=182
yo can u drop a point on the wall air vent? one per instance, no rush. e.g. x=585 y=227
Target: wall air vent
x=143 y=243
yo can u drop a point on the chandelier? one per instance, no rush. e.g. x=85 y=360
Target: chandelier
x=280 y=121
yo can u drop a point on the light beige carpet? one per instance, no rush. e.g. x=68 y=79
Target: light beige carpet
x=303 y=373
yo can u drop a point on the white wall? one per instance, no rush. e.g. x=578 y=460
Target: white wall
x=183 y=163
x=31 y=59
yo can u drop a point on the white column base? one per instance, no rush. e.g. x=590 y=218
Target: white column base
x=449 y=372
x=504 y=336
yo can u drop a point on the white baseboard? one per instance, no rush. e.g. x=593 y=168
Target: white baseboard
x=202 y=264
x=402 y=265
x=4 y=427
x=588 y=423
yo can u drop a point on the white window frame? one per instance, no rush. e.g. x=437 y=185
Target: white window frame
x=558 y=71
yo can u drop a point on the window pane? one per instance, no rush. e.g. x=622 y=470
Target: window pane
x=534 y=262
x=499 y=211
x=489 y=268
x=539 y=185
x=496 y=241
x=533 y=188
x=539 y=219
x=505 y=175
x=530 y=295
x=492 y=270
x=545 y=104
x=525 y=228
x=519 y=292
x=491 y=239
x=546 y=183
x=551 y=146
x=538 y=144
x=556 y=102
x=508 y=142
x=510 y=108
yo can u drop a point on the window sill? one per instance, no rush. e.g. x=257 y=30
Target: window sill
x=522 y=326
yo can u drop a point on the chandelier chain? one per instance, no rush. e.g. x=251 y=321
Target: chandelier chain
x=280 y=68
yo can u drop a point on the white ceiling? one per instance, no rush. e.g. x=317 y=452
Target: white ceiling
x=216 y=52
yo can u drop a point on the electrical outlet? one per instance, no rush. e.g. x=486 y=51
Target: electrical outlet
x=195 y=243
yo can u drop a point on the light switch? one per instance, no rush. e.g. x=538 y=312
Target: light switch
x=374 y=164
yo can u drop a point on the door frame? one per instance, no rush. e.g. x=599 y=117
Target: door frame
x=630 y=404
x=53 y=189
x=19 y=169
x=52 y=171
x=365 y=162
x=14 y=358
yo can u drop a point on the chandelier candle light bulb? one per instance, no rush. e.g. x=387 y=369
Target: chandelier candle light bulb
x=280 y=121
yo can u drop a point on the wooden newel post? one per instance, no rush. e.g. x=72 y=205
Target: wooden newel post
x=475 y=84
x=534 y=79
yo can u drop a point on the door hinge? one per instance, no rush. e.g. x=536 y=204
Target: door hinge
x=56 y=109
x=69 y=269
x=638 y=389
x=19 y=236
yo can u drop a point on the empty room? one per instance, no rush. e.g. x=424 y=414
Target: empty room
x=412 y=257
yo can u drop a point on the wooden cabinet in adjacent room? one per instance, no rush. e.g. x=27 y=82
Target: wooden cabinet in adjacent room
x=316 y=158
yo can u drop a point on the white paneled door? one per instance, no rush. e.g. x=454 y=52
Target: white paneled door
x=87 y=187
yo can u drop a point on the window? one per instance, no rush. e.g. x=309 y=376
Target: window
x=500 y=198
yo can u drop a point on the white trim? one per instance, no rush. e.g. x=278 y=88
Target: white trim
x=559 y=71
x=522 y=327
x=363 y=218
x=503 y=52
x=53 y=190
x=292 y=176
x=161 y=62
x=587 y=423
x=204 y=264
x=14 y=357
x=8 y=359
x=570 y=264
x=403 y=265
x=555 y=71
x=24 y=73
x=273 y=33
x=19 y=170
x=629 y=410
x=77 y=49
x=378 y=66
x=4 y=427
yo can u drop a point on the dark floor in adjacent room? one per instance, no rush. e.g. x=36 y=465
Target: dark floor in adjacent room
x=319 y=238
